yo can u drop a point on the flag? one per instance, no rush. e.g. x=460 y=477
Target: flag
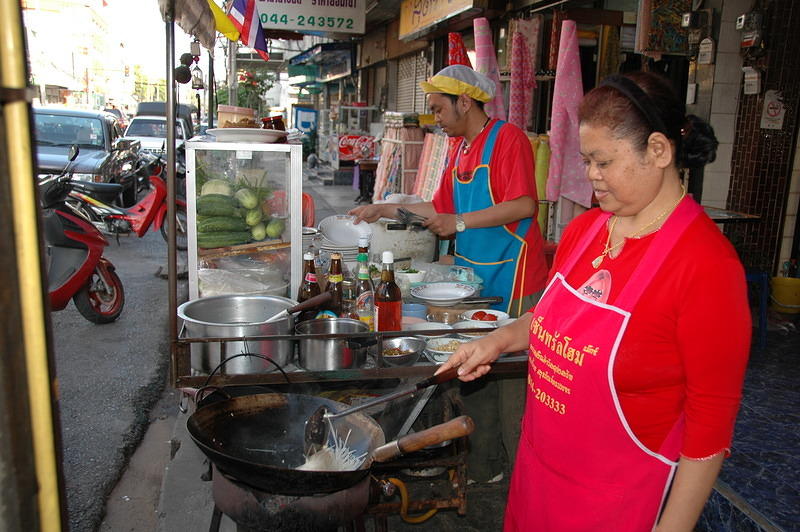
x=222 y=23
x=244 y=15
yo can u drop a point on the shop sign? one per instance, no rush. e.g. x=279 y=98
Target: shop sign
x=419 y=15
x=339 y=16
x=353 y=147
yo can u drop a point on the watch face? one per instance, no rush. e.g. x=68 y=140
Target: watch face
x=460 y=225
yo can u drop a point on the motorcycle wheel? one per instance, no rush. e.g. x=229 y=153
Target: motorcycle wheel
x=97 y=304
x=182 y=228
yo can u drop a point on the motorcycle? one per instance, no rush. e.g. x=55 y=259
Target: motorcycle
x=93 y=202
x=76 y=268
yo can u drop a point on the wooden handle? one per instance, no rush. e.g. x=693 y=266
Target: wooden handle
x=448 y=375
x=311 y=302
x=455 y=428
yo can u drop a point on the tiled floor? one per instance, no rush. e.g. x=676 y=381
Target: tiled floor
x=759 y=486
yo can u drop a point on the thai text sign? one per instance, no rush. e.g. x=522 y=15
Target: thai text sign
x=340 y=16
x=416 y=15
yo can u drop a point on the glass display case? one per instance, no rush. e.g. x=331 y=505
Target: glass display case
x=244 y=215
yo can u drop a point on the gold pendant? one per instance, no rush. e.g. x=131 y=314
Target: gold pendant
x=598 y=261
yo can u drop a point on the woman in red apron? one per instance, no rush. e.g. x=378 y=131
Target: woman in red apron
x=637 y=348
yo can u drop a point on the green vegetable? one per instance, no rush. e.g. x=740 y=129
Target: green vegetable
x=216 y=224
x=253 y=217
x=247 y=198
x=218 y=240
x=216 y=205
x=410 y=270
x=275 y=228
x=258 y=231
x=216 y=186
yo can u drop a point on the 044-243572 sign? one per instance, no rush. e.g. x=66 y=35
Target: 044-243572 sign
x=340 y=16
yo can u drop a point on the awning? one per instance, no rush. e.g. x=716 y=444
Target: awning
x=194 y=17
x=332 y=60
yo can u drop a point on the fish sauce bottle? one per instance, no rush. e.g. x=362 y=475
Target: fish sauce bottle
x=388 y=299
x=309 y=287
x=365 y=292
x=335 y=279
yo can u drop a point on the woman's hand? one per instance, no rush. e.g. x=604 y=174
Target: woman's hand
x=474 y=359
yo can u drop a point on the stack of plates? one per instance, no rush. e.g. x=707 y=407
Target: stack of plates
x=309 y=234
x=349 y=253
x=338 y=234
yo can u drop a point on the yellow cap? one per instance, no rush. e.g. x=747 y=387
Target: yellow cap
x=460 y=79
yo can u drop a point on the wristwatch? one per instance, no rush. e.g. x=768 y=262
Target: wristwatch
x=460 y=225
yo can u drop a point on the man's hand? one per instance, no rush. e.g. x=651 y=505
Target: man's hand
x=441 y=224
x=371 y=213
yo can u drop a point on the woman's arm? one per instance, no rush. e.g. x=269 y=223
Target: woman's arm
x=690 y=490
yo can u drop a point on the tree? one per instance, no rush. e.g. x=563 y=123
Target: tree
x=251 y=87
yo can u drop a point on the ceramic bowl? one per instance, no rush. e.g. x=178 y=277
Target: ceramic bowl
x=340 y=229
x=421 y=328
x=438 y=350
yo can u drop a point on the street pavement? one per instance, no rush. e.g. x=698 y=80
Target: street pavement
x=110 y=376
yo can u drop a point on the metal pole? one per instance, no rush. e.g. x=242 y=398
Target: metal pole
x=212 y=87
x=172 y=268
x=233 y=82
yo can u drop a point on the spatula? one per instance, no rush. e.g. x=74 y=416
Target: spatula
x=309 y=303
x=316 y=429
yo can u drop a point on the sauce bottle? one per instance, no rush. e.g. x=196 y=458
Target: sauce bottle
x=365 y=293
x=334 y=286
x=388 y=299
x=309 y=287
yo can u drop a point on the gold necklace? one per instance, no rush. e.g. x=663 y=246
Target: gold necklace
x=606 y=249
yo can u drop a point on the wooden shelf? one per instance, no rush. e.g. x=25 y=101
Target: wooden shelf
x=242 y=249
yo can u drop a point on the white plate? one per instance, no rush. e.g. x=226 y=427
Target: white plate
x=498 y=315
x=473 y=324
x=340 y=230
x=442 y=294
x=246 y=134
x=419 y=328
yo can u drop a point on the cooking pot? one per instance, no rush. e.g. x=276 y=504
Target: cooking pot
x=327 y=354
x=258 y=440
x=402 y=240
x=237 y=316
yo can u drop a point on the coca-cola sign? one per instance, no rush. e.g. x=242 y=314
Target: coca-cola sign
x=353 y=147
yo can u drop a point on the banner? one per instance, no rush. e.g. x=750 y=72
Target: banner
x=339 y=16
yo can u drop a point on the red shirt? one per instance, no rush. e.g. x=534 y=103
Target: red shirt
x=688 y=338
x=511 y=177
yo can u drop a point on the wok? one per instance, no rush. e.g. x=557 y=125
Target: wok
x=258 y=440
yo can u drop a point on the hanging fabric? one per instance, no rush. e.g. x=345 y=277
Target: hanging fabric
x=520 y=97
x=608 y=62
x=456 y=51
x=555 y=38
x=436 y=149
x=486 y=63
x=567 y=175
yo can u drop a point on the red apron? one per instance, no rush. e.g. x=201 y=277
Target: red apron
x=579 y=466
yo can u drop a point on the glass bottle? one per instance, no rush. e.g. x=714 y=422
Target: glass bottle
x=334 y=286
x=365 y=294
x=309 y=287
x=349 y=300
x=388 y=299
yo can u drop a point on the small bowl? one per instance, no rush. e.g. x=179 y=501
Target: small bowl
x=498 y=315
x=420 y=329
x=434 y=351
x=414 y=345
x=445 y=316
x=416 y=277
x=473 y=324
x=417 y=310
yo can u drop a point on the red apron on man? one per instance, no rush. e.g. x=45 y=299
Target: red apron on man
x=579 y=466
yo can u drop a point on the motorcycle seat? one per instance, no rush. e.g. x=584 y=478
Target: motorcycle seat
x=106 y=189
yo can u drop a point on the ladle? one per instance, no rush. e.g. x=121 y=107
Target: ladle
x=309 y=303
x=316 y=429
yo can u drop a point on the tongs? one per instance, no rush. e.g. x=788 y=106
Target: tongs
x=316 y=429
x=413 y=220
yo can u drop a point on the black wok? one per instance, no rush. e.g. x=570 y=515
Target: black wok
x=258 y=440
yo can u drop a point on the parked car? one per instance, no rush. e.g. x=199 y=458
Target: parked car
x=104 y=156
x=122 y=119
x=151 y=132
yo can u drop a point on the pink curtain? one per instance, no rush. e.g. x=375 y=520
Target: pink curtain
x=457 y=52
x=486 y=63
x=567 y=176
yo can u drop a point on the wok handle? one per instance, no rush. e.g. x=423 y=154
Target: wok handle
x=448 y=375
x=455 y=428
x=311 y=302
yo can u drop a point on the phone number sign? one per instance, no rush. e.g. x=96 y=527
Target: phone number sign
x=340 y=16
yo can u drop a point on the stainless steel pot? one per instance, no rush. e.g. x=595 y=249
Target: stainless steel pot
x=237 y=316
x=331 y=353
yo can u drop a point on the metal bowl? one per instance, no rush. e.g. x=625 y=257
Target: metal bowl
x=414 y=345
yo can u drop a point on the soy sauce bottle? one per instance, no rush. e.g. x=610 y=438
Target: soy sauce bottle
x=334 y=286
x=309 y=287
x=388 y=299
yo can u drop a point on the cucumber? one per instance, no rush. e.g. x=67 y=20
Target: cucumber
x=219 y=224
x=216 y=205
x=218 y=240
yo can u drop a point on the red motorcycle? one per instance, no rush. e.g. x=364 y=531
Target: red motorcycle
x=93 y=202
x=76 y=268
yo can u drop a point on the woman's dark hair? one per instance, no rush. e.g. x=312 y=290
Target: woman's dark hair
x=635 y=105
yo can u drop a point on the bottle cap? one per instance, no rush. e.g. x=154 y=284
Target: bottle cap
x=388 y=257
x=308 y=256
x=335 y=256
x=363 y=241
